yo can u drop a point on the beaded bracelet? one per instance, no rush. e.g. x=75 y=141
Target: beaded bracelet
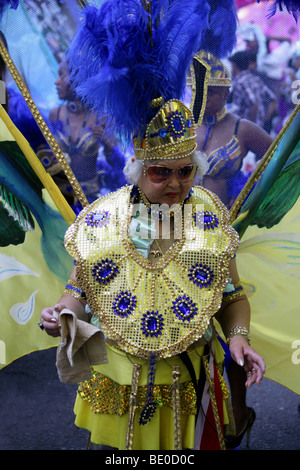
x=239 y=330
x=233 y=291
x=72 y=289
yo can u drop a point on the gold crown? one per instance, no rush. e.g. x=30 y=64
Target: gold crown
x=170 y=134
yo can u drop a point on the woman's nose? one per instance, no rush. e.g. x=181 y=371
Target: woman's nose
x=174 y=181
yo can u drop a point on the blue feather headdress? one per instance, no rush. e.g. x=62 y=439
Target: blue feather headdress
x=128 y=52
x=220 y=37
x=292 y=6
x=4 y=4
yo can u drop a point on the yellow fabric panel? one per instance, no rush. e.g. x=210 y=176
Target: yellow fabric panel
x=268 y=261
x=26 y=286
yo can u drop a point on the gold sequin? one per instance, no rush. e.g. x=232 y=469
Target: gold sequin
x=154 y=286
x=108 y=397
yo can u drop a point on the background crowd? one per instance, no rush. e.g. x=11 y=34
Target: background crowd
x=264 y=69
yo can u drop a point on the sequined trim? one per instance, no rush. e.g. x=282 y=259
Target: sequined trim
x=223 y=384
x=108 y=397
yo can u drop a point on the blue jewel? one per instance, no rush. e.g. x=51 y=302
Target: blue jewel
x=206 y=220
x=201 y=275
x=105 y=271
x=184 y=308
x=189 y=123
x=177 y=124
x=124 y=304
x=97 y=218
x=152 y=324
x=162 y=132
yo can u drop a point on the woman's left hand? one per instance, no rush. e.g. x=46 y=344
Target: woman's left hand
x=247 y=358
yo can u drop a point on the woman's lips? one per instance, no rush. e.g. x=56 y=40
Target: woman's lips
x=172 y=195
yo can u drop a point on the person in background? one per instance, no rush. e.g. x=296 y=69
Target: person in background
x=81 y=136
x=225 y=137
x=250 y=97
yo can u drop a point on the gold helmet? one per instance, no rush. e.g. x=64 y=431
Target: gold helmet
x=170 y=134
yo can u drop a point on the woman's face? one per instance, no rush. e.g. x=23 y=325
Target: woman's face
x=63 y=86
x=216 y=99
x=171 y=191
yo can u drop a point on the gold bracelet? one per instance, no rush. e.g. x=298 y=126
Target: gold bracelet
x=239 y=330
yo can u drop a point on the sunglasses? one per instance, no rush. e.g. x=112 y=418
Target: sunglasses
x=158 y=174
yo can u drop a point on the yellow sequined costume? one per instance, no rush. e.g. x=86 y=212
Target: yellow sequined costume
x=151 y=312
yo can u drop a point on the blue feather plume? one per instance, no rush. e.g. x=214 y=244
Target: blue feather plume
x=8 y=3
x=125 y=54
x=292 y=7
x=220 y=37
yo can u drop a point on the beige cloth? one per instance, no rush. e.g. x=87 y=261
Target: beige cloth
x=81 y=346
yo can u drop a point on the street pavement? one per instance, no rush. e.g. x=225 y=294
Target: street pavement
x=36 y=410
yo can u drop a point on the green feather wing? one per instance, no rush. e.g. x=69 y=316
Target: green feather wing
x=274 y=187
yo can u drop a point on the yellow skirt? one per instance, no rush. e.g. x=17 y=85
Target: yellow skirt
x=102 y=403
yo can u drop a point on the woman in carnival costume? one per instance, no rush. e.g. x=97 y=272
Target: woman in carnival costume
x=223 y=136
x=154 y=261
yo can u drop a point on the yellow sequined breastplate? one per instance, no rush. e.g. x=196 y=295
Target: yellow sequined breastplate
x=145 y=308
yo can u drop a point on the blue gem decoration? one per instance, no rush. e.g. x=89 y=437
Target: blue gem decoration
x=147 y=412
x=206 y=220
x=152 y=324
x=201 y=275
x=124 y=304
x=162 y=132
x=105 y=271
x=184 y=308
x=176 y=124
x=97 y=218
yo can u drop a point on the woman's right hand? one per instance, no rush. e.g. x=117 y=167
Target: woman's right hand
x=50 y=319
